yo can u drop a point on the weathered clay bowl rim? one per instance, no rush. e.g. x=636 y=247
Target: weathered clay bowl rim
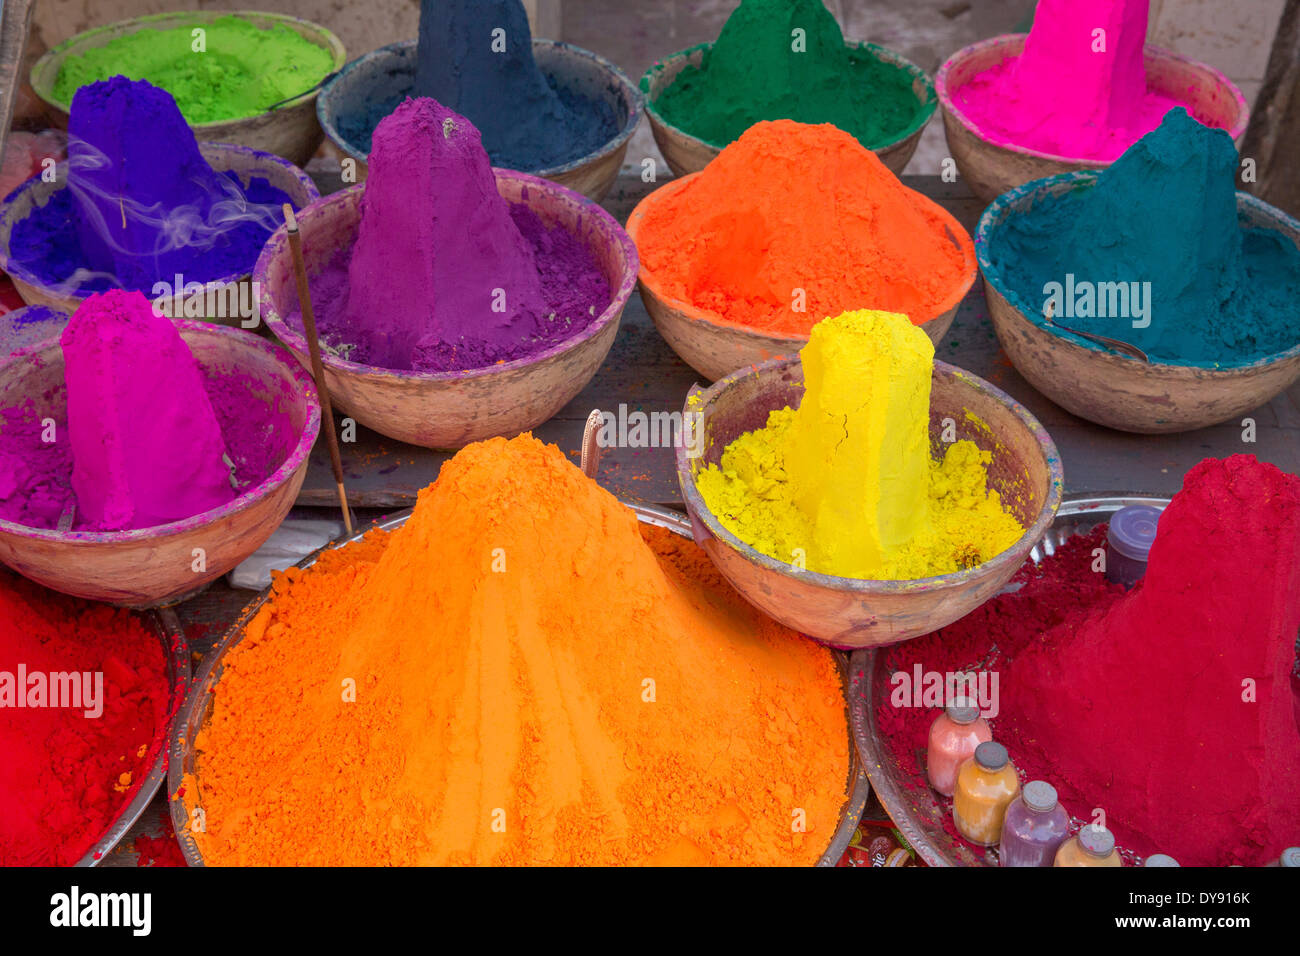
x=882 y=768
x=950 y=106
x=296 y=457
x=182 y=742
x=1041 y=192
x=708 y=319
x=609 y=227
x=881 y=53
x=631 y=95
x=21 y=273
x=176 y=649
x=332 y=44
x=699 y=511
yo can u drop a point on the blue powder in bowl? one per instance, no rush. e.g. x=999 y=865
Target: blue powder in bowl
x=529 y=120
x=1203 y=288
x=140 y=205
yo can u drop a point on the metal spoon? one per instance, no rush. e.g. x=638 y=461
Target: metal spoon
x=1114 y=344
x=289 y=99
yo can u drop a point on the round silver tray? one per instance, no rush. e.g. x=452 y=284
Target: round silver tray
x=167 y=626
x=198 y=708
x=919 y=812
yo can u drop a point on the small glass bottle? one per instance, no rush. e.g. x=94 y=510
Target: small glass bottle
x=986 y=784
x=1093 y=846
x=954 y=735
x=1290 y=857
x=1035 y=827
x=1129 y=538
x=1160 y=859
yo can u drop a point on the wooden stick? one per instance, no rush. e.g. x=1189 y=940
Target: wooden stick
x=317 y=367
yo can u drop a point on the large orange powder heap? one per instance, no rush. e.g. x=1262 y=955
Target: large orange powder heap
x=536 y=682
x=790 y=207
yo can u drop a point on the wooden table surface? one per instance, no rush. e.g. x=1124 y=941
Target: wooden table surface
x=644 y=374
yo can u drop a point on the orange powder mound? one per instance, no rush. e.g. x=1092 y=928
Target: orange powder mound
x=538 y=680
x=789 y=207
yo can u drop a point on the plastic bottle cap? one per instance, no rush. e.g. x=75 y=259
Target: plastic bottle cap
x=1133 y=529
x=1290 y=856
x=1040 y=796
x=1096 y=840
x=991 y=755
x=1160 y=859
x=962 y=711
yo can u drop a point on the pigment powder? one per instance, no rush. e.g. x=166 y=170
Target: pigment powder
x=760 y=70
x=792 y=223
x=141 y=204
x=519 y=675
x=1169 y=706
x=146 y=450
x=846 y=481
x=445 y=274
x=242 y=70
x=1073 y=92
x=147 y=431
x=66 y=776
x=1162 y=222
x=476 y=56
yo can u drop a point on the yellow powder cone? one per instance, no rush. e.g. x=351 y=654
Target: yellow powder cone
x=858 y=457
x=535 y=683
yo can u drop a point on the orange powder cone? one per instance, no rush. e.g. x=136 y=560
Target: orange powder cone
x=792 y=223
x=536 y=682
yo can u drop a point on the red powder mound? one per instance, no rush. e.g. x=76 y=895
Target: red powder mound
x=160 y=850
x=65 y=776
x=1135 y=702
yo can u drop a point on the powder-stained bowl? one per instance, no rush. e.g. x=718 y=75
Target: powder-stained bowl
x=686 y=153
x=919 y=812
x=849 y=613
x=228 y=300
x=715 y=347
x=291 y=130
x=183 y=754
x=149 y=567
x=1113 y=389
x=452 y=409
x=176 y=649
x=990 y=168
x=387 y=75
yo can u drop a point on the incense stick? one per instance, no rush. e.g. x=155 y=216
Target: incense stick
x=317 y=367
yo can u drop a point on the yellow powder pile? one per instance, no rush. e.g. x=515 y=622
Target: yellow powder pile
x=845 y=485
x=519 y=675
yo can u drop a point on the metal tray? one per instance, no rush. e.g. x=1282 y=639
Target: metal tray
x=167 y=626
x=198 y=708
x=919 y=812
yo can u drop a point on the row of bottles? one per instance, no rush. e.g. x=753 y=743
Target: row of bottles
x=1030 y=828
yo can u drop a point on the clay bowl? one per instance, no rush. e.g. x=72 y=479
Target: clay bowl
x=715 y=347
x=230 y=300
x=848 y=613
x=452 y=409
x=688 y=154
x=28 y=326
x=150 y=567
x=183 y=751
x=1112 y=389
x=387 y=75
x=991 y=168
x=291 y=131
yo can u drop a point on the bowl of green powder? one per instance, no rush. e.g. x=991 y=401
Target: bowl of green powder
x=245 y=77
x=699 y=101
